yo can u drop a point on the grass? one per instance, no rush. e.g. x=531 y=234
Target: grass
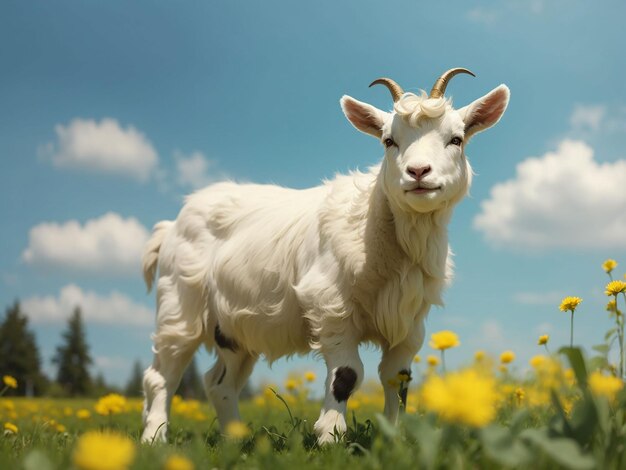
x=570 y=412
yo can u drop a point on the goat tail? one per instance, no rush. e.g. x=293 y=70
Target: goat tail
x=150 y=256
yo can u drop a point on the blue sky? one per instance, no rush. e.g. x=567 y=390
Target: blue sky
x=110 y=112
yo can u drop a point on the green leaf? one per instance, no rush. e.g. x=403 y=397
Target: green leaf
x=577 y=361
x=386 y=427
x=562 y=450
x=427 y=436
x=601 y=348
x=609 y=334
x=585 y=420
x=501 y=446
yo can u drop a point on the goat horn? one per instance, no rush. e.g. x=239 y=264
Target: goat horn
x=439 y=88
x=395 y=89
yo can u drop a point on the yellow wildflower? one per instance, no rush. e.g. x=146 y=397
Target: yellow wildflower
x=615 y=287
x=178 y=462
x=417 y=359
x=310 y=376
x=110 y=404
x=9 y=381
x=463 y=397
x=520 y=394
x=353 y=404
x=570 y=303
x=537 y=361
x=432 y=361
x=11 y=428
x=444 y=340
x=83 y=414
x=291 y=384
x=479 y=356
x=609 y=265
x=507 y=357
x=605 y=385
x=103 y=451
x=237 y=430
x=543 y=339
x=403 y=376
x=611 y=306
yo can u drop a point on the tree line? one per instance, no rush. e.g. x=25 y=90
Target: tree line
x=20 y=358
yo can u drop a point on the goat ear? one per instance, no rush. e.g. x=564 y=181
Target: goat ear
x=486 y=111
x=363 y=116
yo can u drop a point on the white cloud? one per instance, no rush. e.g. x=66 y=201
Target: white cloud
x=109 y=244
x=114 y=309
x=103 y=147
x=196 y=171
x=539 y=298
x=563 y=199
x=587 y=117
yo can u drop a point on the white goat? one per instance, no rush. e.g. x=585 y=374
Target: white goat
x=253 y=270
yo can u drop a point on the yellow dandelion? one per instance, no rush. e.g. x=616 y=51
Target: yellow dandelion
x=103 y=451
x=444 y=340
x=10 y=428
x=432 y=361
x=609 y=265
x=464 y=397
x=110 y=404
x=83 y=414
x=520 y=394
x=178 y=462
x=310 y=376
x=507 y=357
x=479 y=356
x=353 y=404
x=543 y=339
x=291 y=384
x=60 y=428
x=237 y=430
x=537 y=361
x=605 y=385
x=615 y=287
x=570 y=304
x=502 y=368
x=611 y=306
x=404 y=377
x=9 y=381
x=417 y=359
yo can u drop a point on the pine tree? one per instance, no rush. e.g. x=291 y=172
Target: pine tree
x=73 y=358
x=134 y=387
x=19 y=355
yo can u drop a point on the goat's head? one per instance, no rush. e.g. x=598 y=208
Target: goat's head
x=425 y=168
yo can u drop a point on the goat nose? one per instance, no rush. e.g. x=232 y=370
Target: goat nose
x=417 y=173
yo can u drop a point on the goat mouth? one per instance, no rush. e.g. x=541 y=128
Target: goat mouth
x=423 y=189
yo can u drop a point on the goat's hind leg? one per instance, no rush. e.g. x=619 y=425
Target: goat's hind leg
x=160 y=382
x=225 y=380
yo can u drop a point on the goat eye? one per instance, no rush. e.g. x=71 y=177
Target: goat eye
x=456 y=141
x=389 y=142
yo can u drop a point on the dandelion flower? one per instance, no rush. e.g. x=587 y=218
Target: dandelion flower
x=537 y=361
x=310 y=376
x=291 y=384
x=432 y=361
x=507 y=357
x=570 y=304
x=543 y=339
x=605 y=385
x=417 y=359
x=103 y=451
x=479 y=356
x=520 y=394
x=110 y=404
x=444 y=340
x=464 y=397
x=178 y=462
x=237 y=430
x=83 y=414
x=10 y=428
x=615 y=287
x=609 y=265
x=9 y=381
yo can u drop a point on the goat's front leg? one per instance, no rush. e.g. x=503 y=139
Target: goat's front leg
x=396 y=361
x=345 y=374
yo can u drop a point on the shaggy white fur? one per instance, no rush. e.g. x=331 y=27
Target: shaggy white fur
x=253 y=270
